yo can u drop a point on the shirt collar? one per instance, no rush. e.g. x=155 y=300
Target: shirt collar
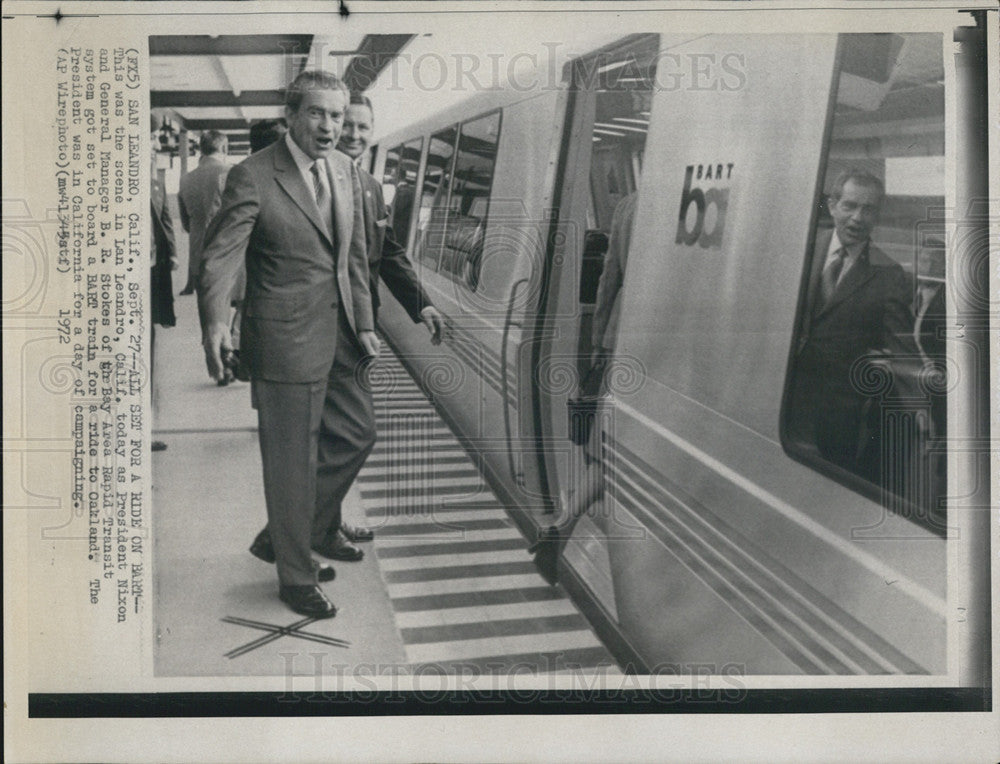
x=302 y=160
x=853 y=252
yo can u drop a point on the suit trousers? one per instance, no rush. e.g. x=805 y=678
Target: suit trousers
x=347 y=435
x=314 y=439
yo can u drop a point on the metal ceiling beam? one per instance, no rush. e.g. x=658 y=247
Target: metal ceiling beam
x=173 y=99
x=374 y=54
x=216 y=124
x=229 y=45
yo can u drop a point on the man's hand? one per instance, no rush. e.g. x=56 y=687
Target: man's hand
x=370 y=342
x=434 y=323
x=217 y=342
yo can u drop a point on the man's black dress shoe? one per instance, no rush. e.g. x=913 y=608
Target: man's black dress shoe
x=324 y=573
x=339 y=549
x=307 y=600
x=357 y=533
x=262 y=548
x=188 y=289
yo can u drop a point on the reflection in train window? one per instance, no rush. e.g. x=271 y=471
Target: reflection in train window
x=390 y=172
x=405 y=162
x=859 y=405
x=470 y=197
x=621 y=120
x=433 y=211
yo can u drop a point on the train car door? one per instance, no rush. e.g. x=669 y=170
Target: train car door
x=596 y=187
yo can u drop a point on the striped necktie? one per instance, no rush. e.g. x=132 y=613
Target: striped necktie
x=831 y=274
x=322 y=196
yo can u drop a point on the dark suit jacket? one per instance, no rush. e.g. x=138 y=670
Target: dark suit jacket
x=298 y=275
x=868 y=314
x=386 y=257
x=869 y=311
x=162 y=258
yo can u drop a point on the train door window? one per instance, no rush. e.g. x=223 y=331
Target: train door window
x=468 y=206
x=618 y=138
x=391 y=169
x=863 y=402
x=399 y=182
x=433 y=213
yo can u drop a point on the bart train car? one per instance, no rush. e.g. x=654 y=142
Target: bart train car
x=723 y=535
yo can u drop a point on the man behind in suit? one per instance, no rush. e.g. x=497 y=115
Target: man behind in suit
x=858 y=308
x=295 y=210
x=199 y=197
x=353 y=416
x=386 y=260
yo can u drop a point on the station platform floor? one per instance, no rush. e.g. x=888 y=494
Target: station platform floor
x=446 y=585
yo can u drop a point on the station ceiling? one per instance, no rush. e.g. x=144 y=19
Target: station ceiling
x=227 y=82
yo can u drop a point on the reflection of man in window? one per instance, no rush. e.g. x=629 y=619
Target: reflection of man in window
x=858 y=308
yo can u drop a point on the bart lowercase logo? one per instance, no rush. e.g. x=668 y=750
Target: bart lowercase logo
x=703 y=206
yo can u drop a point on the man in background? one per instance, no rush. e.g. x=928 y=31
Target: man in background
x=199 y=198
x=386 y=260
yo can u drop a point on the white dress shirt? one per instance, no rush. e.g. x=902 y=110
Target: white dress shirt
x=304 y=162
x=853 y=253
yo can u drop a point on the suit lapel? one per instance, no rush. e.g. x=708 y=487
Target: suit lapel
x=815 y=275
x=287 y=175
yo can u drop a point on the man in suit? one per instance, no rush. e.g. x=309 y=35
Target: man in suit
x=295 y=210
x=353 y=416
x=199 y=197
x=857 y=313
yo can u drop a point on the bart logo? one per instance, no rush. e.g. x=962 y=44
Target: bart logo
x=709 y=218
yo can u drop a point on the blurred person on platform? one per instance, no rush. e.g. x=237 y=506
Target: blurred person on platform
x=200 y=196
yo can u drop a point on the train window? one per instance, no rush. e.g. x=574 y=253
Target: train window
x=468 y=205
x=390 y=172
x=401 y=166
x=863 y=402
x=433 y=211
x=622 y=102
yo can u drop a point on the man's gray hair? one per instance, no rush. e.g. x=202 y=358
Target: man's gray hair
x=312 y=79
x=861 y=178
